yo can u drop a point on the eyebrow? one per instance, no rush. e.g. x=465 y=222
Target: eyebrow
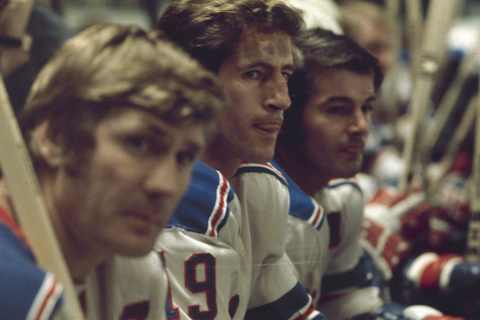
x=153 y=130
x=162 y=135
x=345 y=99
x=10 y=42
x=371 y=99
x=263 y=64
x=150 y=127
x=338 y=99
x=194 y=146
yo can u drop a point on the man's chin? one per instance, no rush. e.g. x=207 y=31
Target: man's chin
x=349 y=171
x=135 y=248
x=260 y=157
x=264 y=153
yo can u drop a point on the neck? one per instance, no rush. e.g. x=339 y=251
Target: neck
x=309 y=178
x=218 y=157
x=80 y=258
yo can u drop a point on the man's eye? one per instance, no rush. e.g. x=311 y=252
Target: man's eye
x=368 y=108
x=340 y=110
x=138 y=144
x=186 y=158
x=287 y=75
x=253 y=74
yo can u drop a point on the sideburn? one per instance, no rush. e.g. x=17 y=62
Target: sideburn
x=75 y=135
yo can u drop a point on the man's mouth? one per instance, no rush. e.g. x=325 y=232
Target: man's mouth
x=354 y=148
x=269 y=127
x=143 y=217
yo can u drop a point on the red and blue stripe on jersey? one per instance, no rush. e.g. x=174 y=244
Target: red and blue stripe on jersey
x=26 y=292
x=302 y=206
x=204 y=208
x=266 y=167
x=294 y=305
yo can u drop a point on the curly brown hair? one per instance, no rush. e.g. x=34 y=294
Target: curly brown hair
x=210 y=30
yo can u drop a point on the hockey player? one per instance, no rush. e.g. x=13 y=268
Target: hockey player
x=220 y=260
x=323 y=140
x=114 y=123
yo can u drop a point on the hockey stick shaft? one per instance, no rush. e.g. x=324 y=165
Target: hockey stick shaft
x=439 y=18
x=473 y=240
x=30 y=210
x=461 y=132
x=447 y=104
x=414 y=26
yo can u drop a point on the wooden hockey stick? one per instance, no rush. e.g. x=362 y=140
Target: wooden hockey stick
x=391 y=99
x=414 y=26
x=392 y=10
x=447 y=104
x=392 y=16
x=439 y=18
x=462 y=130
x=31 y=211
x=473 y=240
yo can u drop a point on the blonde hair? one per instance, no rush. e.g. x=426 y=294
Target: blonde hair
x=110 y=66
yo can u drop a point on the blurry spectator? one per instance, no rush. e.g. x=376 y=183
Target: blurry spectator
x=48 y=31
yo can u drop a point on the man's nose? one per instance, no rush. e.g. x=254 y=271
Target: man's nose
x=360 y=122
x=163 y=179
x=276 y=92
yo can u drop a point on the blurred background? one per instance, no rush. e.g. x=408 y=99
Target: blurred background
x=391 y=30
x=79 y=13
x=441 y=159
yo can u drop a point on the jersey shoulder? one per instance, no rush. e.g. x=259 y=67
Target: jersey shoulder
x=302 y=206
x=36 y=294
x=342 y=200
x=204 y=208
x=345 y=186
x=347 y=195
x=267 y=168
x=13 y=244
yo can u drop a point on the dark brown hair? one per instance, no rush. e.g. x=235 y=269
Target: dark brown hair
x=322 y=49
x=209 y=30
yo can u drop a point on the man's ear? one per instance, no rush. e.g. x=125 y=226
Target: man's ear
x=47 y=147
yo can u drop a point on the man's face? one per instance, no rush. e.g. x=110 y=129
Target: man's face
x=255 y=80
x=376 y=38
x=335 y=121
x=14 y=43
x=137 y=172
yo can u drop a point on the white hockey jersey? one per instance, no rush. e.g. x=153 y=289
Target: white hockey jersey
x=123 y=288
x=26 y=291
x=276 y=293
x=347 y=287
x=213 y=242
x=127 y=288
x=208 y=266
x=324 y=245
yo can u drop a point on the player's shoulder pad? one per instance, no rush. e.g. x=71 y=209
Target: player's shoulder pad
x=267 y=167
x=9 y=222
x=37 y=293
x=11 y=234
x=204 y=208
x=302 y=206
x=337 y=184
